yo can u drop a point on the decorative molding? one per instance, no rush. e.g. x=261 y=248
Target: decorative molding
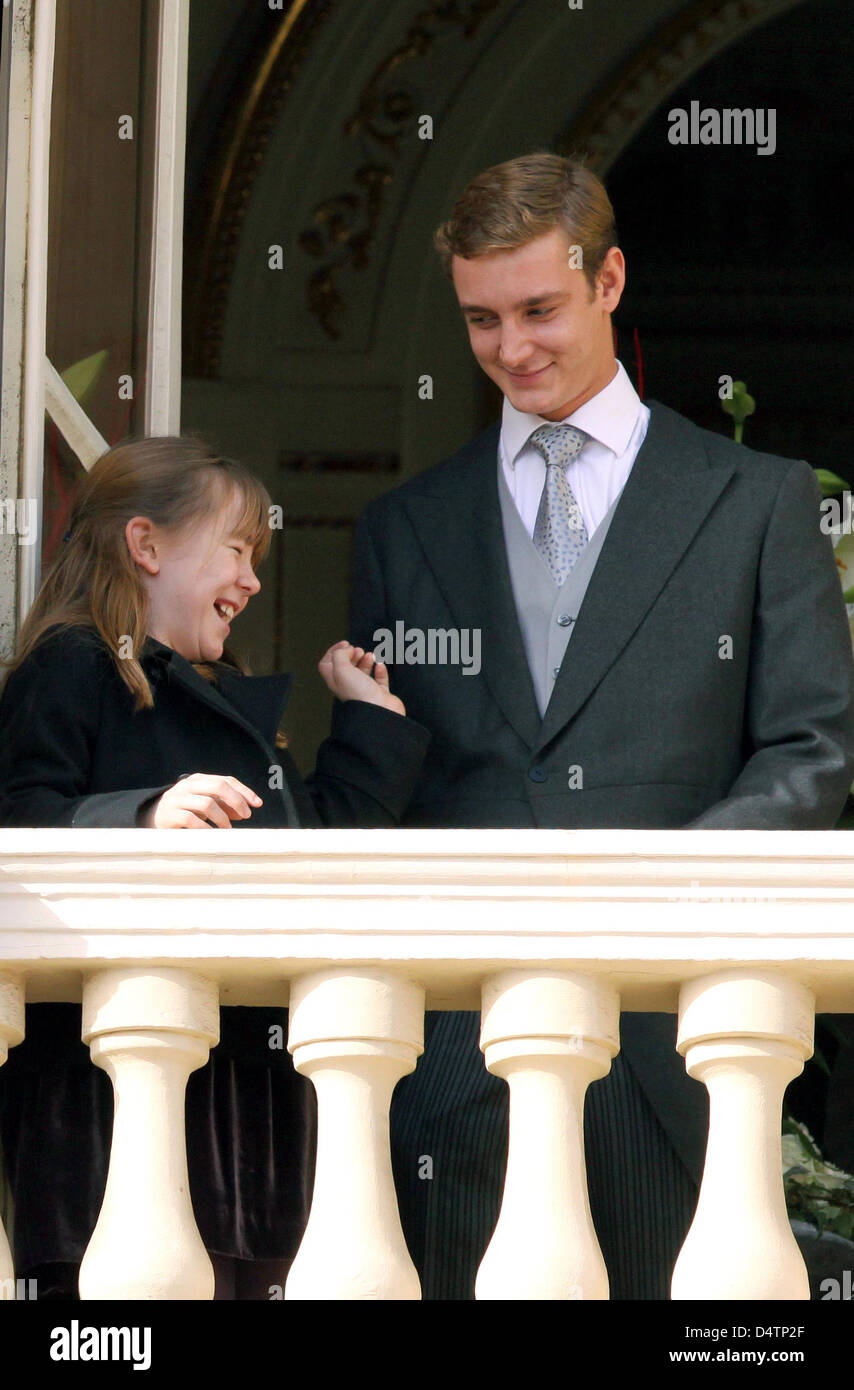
x=343 y=227
x=218 y=216
x=681 y=46
x=298 y=461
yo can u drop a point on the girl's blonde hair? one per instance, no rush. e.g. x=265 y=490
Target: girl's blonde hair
x=92 y=581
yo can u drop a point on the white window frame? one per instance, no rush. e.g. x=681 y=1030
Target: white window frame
x=30 y=383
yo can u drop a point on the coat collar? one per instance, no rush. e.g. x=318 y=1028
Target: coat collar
x=256 y=702
x=456 y=514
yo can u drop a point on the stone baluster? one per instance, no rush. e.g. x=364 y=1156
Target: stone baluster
x=549 y=1033
x=11 y=1033
x=745 y=1034
x=148 y=1029
x=355 y=1032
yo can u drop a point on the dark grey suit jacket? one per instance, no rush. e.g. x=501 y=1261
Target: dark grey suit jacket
x=709 y=681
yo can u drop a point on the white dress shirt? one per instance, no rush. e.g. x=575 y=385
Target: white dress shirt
x=616 y=420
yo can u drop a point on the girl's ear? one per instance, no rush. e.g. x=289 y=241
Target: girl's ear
x=139 y=534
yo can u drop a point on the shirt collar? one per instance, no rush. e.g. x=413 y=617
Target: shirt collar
x=608 y=417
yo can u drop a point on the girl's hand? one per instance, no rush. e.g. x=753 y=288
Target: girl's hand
x=347 y=671
x=201 y=798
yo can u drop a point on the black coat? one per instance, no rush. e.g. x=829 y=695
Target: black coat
x=74 y=752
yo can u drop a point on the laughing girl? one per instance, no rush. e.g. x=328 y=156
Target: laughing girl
x=123 y=706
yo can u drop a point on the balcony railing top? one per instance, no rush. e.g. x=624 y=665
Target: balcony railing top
x=653 y=908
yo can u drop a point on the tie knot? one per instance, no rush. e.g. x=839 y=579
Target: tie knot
x=559 y=444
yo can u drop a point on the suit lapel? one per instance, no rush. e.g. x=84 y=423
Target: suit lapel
x=458 y=521
x=669 y=492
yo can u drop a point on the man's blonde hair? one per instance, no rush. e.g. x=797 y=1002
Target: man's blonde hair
x=512 y=203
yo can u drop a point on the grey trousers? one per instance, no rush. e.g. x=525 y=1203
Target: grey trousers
x=454 y=1112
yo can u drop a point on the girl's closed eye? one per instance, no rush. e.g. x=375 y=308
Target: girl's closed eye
x=194 y=590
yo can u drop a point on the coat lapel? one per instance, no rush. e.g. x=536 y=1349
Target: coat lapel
x=669 y=492
x=458 y=521
x=259 y=699
x=256 y=703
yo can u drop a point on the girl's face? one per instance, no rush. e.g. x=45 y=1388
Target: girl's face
x=198 y=580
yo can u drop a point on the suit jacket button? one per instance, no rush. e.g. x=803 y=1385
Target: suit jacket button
x=537 y=774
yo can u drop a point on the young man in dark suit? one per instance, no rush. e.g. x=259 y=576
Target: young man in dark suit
x=663 y=644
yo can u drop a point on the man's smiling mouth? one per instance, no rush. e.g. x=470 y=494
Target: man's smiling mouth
x=528 y=376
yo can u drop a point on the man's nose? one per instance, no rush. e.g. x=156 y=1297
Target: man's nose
x=514 y=346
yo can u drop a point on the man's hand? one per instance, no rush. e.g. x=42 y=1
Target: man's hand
x=199 y=799
x=347 y=671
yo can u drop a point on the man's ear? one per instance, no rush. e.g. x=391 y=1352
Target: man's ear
x=611 y=280
x=139 y=534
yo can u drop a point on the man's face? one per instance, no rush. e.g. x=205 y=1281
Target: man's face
x=534 y=326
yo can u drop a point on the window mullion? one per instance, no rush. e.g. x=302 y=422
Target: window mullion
x=163 y=374
x=30 y=105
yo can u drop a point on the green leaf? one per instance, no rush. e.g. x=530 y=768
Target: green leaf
x=829 y=482
x=81 y=376
x=741 y=405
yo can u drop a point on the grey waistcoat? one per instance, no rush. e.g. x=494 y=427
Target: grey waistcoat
x=546 y=613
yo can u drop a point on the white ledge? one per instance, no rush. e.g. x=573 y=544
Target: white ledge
x=645 y=909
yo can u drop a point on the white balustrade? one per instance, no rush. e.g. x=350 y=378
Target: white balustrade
x=548 y=932
x=148 y=1029
x=549 y=1035
x=746 y=1035
x=11 y=1033
x=355 y=1033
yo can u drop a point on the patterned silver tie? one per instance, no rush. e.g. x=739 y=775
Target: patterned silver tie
x=560 y=534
